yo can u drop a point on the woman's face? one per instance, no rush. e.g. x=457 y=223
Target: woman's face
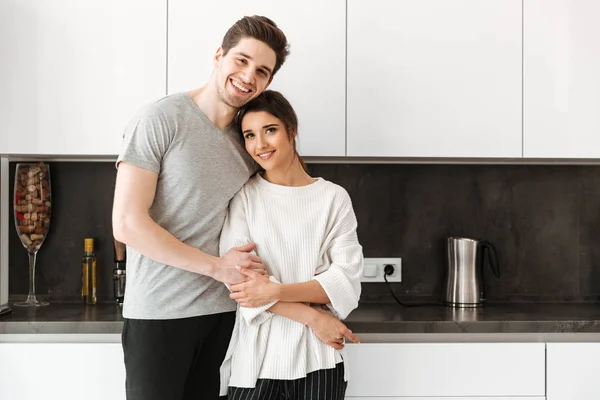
x=267 y=140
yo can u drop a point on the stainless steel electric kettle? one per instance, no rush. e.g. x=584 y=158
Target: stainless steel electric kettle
x=464 y=278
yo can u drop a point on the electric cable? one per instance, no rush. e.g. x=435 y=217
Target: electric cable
x=389 y=270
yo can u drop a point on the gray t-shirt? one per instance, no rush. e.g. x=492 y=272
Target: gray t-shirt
x=199 y=169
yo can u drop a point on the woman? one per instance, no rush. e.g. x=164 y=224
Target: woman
x=304 y=229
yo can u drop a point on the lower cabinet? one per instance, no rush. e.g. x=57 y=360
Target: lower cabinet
x=446 y=370
x=378 y=371
x=62 y=371
x=447 y=398
x=573 y=370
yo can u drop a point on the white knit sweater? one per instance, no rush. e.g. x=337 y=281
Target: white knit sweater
x=301 y=233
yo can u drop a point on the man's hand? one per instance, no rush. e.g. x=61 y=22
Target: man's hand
x=226 y=270
x=257 y=291
x=331 y=330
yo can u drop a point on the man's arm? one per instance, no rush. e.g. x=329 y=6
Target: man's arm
x=134 y=193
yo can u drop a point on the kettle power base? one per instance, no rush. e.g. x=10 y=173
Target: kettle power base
x=463 y=305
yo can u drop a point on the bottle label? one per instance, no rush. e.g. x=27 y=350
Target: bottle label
x=84 y=281
x=94 y=280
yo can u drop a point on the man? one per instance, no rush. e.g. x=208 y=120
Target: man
x=181 y=164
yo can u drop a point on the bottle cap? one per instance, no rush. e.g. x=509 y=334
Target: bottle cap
x=88 y=244
x=120 y=252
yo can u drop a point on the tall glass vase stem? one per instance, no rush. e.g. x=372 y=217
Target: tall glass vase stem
x=31 y=299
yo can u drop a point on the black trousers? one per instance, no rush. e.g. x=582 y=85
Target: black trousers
x=324 y=384
x=177 y=359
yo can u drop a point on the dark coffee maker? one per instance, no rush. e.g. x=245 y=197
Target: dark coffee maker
x=119 y=272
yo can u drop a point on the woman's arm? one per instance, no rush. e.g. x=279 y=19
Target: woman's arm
x=328 y=328
x=256 y=291
x=308 y=292
x=338 y=286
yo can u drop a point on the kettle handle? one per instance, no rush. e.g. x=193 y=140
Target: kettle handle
x=492 y=257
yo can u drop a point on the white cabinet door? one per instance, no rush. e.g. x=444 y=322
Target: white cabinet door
x=573 y=371
x=447 y=398
x=33 y=371
x=4 y=230
x=434 y=78
x=75 y=72
x=561 y=81
x=446 y=369
x=313 y=77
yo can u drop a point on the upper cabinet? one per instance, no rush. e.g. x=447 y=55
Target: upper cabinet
x=434 y=78
x=312 y=78
x=368 y=78
x=561 y=79
x=75 y=72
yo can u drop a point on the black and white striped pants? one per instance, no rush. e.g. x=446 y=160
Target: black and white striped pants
x=324 y=384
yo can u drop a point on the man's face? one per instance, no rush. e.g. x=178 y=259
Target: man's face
x=244 y=72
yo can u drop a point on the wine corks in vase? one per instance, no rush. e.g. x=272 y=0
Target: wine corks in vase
x=33 y=205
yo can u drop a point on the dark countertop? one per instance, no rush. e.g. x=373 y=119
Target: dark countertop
x=492 y=318
x=61 y=318
x=371 y=321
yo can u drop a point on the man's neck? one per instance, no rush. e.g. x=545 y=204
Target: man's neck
x=209 y=103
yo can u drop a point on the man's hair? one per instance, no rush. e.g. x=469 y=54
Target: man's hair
x=259 y=28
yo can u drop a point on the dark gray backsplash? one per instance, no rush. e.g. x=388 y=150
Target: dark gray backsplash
x=543 y=220
x=82 y=200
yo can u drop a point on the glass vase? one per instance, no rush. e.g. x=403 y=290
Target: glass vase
x=32 y=209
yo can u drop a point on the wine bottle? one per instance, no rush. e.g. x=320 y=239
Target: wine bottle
x=88 y=262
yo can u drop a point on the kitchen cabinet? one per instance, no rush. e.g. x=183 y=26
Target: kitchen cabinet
x=4 y=224
x=573 y=371
x=457 y=370
x=434 y=78
x=32 y=371
x=313 y=77
x=447 y=398
x=75 y=72
x=561 y=60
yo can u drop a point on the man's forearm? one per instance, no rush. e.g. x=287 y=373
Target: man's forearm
x=156 y=243
x=306 y=292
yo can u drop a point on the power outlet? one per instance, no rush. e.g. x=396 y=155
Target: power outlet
x=374 y=270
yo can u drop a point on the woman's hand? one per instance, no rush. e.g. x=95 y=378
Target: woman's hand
x=257 y=291
x=331 y=330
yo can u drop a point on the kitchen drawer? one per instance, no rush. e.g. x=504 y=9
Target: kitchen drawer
x=446 y=369
x=573 y=371
x=62 y=371
x=448 y=398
